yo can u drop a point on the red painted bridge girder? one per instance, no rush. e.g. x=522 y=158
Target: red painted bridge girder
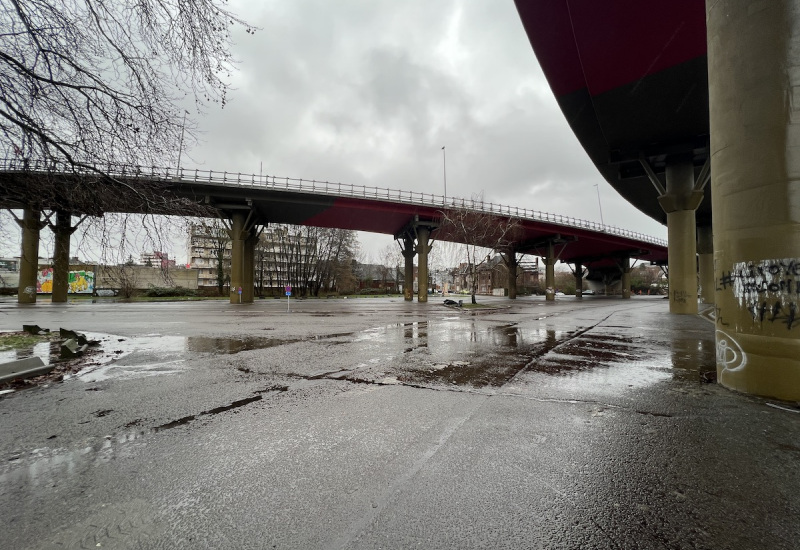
x=269 y=200
x=631 y=77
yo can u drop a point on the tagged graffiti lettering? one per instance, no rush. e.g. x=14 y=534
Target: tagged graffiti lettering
x=776 y=312
x=680 y=296
x=730 y=355
x=769 y=289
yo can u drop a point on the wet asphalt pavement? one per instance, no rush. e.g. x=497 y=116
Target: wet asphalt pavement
x=376 y=423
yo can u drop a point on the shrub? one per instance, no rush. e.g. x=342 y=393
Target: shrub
x=169 y=292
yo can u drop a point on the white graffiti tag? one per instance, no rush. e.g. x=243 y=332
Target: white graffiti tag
x=729 y=353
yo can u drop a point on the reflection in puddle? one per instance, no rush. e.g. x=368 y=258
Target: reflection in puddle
x=155 y=354
x=48 y=352
x=469 y=353
x=602 y=360
x=450 y=351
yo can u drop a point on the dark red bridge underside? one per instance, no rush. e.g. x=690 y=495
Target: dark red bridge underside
x=595 y=248
x=631 y=79
x=264 y=205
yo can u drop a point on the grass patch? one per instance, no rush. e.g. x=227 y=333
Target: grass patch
x=21 y=340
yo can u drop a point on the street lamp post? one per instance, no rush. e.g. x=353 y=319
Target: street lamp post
x=444 y=171
x=600 y=205
x=180 y=144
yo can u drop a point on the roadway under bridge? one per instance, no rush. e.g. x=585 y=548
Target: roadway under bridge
x=250 y=202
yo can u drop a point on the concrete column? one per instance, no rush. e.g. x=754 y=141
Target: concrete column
x=511 y=264
x=63 y=231
x=625 y=266
x=578 y=280
x=423 y=233
x=680 y=202
x=754 y=97
x=29 y=260
x=705 y=263
x=550 y=273
x=238 y=236
x=408 y=274
x=249 y=268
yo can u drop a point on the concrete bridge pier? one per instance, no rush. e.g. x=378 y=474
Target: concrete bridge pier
x=579 y=273
x=63 y=230
x=510 y=259
x=408 y=273
x=625 y=270
x=238 y=237
x=680 y=202
x=31 y=225
x=754 y=98
x=549 y=273
x=423 y=248
x=705 y=263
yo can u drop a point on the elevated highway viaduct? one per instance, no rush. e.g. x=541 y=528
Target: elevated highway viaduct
x=251 y=202
x=689 y=109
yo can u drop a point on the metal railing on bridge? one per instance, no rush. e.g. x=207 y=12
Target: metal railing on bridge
x=324 y=188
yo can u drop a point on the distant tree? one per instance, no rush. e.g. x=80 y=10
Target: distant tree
x=480 y=233
x=391 y=259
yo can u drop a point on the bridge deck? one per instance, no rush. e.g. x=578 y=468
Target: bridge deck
x=380 y=210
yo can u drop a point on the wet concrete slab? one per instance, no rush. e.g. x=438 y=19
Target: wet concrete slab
x=387 y=424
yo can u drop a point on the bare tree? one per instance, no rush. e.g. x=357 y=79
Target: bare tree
x=391 y=259
x=88 y=84
x=480 y=233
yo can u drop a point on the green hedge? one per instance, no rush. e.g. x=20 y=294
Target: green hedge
x=169 y=292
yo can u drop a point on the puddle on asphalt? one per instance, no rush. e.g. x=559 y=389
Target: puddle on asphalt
x=613 y=360
x=156 y=354
x=466 y=353
x=48 y=352
x=451 y=351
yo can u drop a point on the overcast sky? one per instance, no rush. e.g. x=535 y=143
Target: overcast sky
x=368 y=92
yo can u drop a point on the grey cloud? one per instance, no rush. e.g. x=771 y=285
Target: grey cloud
x=368 y=93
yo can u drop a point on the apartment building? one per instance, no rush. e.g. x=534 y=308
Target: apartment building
x=280 y=255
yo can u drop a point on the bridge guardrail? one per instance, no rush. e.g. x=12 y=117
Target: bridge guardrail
x=328 y=188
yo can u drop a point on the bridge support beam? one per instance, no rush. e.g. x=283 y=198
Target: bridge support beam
x=705 y=263
x=510 y=259
x=753 y=61
x=625 y=268
x=408 y=273
x=31 y=225
x=63 y=231
x=550 y=273
x=423 y=234
x=421 y=230
x=578 y=280
x=679 y=202
x=238 y=236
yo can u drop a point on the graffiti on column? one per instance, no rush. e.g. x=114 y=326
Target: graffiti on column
x=769 y=289
x=680 y=296
x=729 y=353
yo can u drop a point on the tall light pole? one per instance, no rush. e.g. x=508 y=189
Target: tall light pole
x=444 y=169
x=180 y=144
x=600 y=205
